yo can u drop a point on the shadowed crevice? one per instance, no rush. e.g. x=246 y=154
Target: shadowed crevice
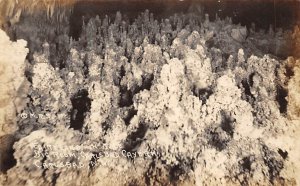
x=81 y=105
x=282 y=93
x=7 y=160
x=134 y=140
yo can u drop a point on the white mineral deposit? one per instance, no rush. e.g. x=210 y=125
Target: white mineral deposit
x=149 y=99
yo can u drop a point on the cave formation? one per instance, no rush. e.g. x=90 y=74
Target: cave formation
x=150 y=92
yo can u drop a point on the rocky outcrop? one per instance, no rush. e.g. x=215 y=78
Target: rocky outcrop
x=13 y=92
x=164 y=103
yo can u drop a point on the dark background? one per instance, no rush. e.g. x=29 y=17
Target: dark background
x=284 y=14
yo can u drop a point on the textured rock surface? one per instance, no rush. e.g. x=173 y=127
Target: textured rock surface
x=239 y=34
x=294 y=90
x=13 y=92
x=165 y=103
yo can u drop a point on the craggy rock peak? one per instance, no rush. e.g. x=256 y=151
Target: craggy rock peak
x=174 y=102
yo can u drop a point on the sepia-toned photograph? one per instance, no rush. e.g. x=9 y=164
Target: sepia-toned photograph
x=149 y=92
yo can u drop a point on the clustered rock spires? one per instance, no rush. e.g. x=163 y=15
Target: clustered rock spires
x=192 y=91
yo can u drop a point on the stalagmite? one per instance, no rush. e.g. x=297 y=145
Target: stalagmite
x=181 y=100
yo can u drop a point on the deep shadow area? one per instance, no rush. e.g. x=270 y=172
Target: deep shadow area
x=262 y=13
x=81 y=105
x=7 y=160
x=134 y=140
x=246 y=164
x=281 y=99
x=227 y=123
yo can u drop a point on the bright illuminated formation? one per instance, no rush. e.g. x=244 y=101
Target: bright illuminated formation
x=13 y=94
x=156 y=103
